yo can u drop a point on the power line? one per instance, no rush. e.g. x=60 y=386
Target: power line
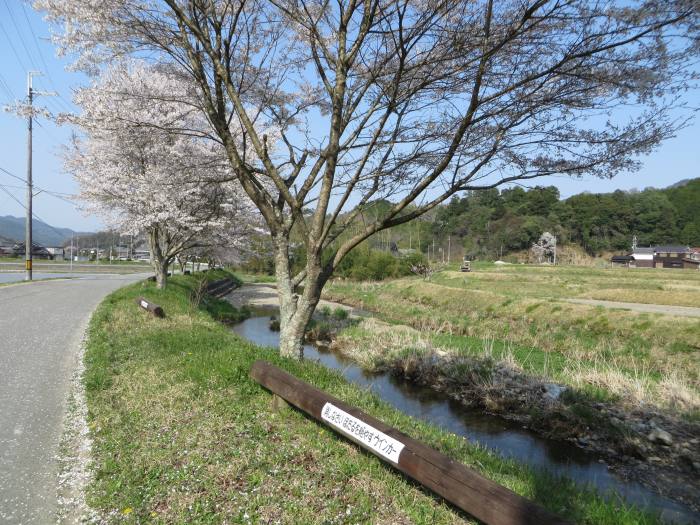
x=57 y=196
x=48 y=133
x=12 y=46
x=13 y=197
x=11 y=186
x=60 y=195
x=13 y=175
x=35 y=39
x=33 y=214
x=28 y=54
x=6 y=87
x=31 y=30
x=16 y=26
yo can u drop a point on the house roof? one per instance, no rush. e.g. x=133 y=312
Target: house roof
x=671 y=248
x=643 y=249
x=622 y=258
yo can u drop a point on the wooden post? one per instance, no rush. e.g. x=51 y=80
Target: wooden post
x=154 y=309
x=278 y=403
x=461 y=486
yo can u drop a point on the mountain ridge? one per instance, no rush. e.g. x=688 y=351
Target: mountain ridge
x=12 y=230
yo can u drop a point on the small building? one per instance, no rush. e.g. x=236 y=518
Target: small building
x=121 y=253
x=674 y=257
x=680 y=257
x=6 y=247
x=691 y=264
x=141 y=255
x=38 y=252
x=58 y=253
x=622 y=260
x=642 y=257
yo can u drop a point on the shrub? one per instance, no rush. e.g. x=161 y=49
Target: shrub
x=340 y=313
x=365 y=264
x=325 y=311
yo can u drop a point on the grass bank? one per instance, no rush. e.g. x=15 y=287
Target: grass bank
x=182 y=435
x=518 y=313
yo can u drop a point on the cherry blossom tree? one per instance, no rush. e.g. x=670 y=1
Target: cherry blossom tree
x=545 y=248
x=409 y=101
x=145 y=163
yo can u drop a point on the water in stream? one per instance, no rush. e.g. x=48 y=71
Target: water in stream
x=506 y=438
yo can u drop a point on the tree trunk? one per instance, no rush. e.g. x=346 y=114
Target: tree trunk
x=159 y=261
x=295 y=310
x=292 y=332
x=161 y=270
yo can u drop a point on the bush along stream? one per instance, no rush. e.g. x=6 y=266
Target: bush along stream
x=464 y=395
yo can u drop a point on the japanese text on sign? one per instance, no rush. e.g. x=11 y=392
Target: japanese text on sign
x=384 y=445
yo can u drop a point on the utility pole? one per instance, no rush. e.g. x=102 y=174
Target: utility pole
x=30 y=190
x=71 y=253
x=30 y=187
x=418 y=231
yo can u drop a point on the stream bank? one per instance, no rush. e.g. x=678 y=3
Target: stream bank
x=643 y=445
x=631 y=447
x=508 y=438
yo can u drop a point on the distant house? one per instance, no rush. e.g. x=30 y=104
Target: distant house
x=142 y=255
x=121 y=253
x=38 y=252
x=622 y=260
x=674 y=257
x=6 y=247
x=681 y=257
x=643 y=257
x=58 y=253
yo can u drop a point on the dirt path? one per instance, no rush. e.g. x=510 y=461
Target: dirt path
x=264 y=295
x=683 y=311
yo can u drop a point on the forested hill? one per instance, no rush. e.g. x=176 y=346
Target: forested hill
x=493 y=223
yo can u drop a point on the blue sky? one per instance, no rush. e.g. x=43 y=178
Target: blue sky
x=24 y=45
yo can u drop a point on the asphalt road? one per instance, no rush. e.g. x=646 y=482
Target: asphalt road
x=78 y=267
x=41 y=328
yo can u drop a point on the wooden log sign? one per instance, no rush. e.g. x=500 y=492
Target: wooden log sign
x=461 y=486
x=150 y=307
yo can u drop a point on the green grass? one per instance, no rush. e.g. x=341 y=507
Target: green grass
x=256 y=277
x=521 y=311
x=183 y=435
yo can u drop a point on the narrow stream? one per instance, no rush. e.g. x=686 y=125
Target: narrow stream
x=505 y=437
